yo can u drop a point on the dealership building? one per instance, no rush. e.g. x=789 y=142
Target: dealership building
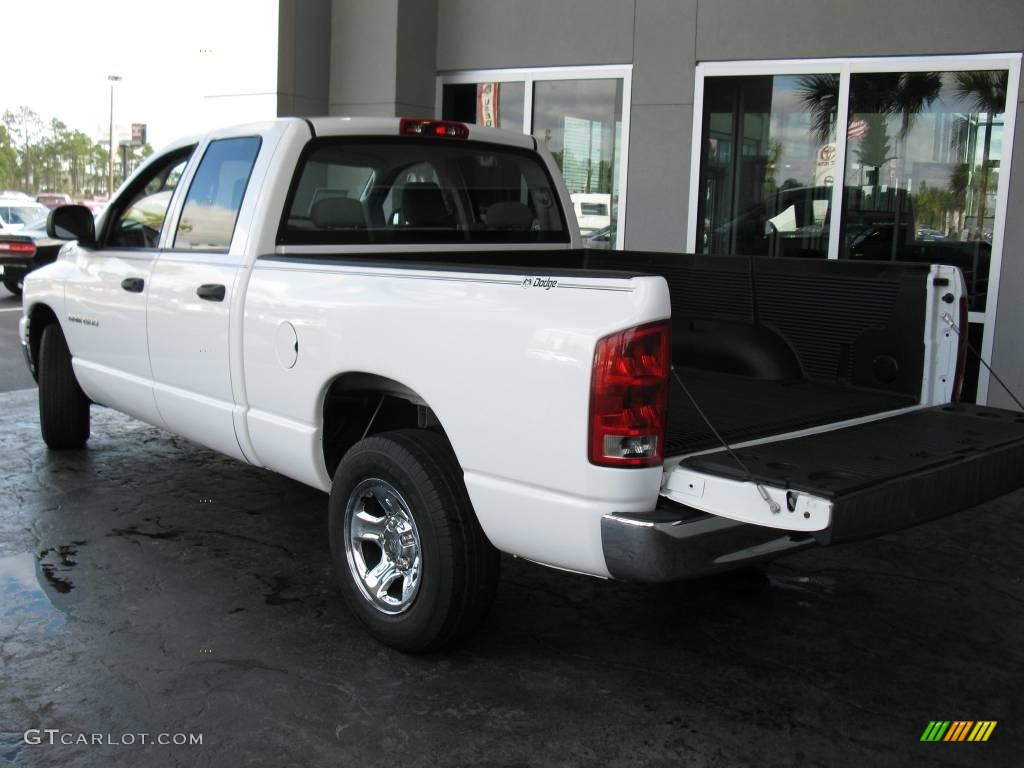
x=874 y=130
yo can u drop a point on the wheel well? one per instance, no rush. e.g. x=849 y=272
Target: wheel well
x=39 y=317
x=357 y=405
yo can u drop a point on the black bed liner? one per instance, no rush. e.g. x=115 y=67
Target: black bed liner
x=743 y=409
x=895 y=472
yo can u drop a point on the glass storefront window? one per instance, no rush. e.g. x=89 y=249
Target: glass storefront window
x=920 y=174
x=498 y=105
x=922 y=169
x=580 y=123
x=579 y=116
x=767 y=158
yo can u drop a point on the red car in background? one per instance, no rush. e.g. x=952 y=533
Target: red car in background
x=53 y=199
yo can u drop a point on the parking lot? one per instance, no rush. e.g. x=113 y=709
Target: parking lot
x=151 y=586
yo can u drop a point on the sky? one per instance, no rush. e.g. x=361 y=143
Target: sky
x=187 y=66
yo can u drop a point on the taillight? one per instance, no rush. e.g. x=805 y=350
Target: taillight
x=961 y=352
x=25 y=248
x=629 y=397
x=408 y=126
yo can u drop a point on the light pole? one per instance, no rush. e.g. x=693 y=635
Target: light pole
x=110 y=146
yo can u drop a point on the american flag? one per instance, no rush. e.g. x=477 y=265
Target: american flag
x=856 y=129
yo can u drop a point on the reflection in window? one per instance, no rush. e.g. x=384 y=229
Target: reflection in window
x=215 y=197
x=139 y=222
x=580 y=122
x=767 y=165
x=922 y=169
x=497 y=105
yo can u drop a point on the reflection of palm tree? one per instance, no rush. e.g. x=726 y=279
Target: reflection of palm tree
x=902 y=94
x=820 y=97
x=874 y=148
x=985 y=92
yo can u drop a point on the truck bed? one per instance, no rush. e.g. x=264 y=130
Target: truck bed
x=743 y=409
x=765 y=345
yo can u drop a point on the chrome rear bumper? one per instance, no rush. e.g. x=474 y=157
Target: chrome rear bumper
x=676 y=543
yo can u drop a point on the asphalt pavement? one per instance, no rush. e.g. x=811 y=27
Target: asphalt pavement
x=149 y=586
x=13 y=372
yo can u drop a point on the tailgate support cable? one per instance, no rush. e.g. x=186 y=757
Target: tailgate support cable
x=949 y=321
x=761 y=490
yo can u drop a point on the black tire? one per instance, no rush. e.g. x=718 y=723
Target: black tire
x=459 y=566
x=63 y=407
x=13 y=283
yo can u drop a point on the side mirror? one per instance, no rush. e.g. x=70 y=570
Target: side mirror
x=72 y=222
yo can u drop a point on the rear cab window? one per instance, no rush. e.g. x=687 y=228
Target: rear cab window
x=385 y=190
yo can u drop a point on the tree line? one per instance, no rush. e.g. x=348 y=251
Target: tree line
x=39 y=156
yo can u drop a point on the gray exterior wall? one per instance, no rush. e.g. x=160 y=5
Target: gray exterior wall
x=303 y=48
x=383 y=57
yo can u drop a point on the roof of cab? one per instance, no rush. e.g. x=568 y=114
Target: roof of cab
x=388 y=126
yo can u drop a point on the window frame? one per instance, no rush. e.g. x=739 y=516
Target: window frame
x=845 y=68
x=529 y=76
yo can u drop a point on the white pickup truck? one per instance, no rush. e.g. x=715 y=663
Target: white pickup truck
x=399 y=313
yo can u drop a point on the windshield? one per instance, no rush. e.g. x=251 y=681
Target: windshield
x=23 y=215
x=418 y=191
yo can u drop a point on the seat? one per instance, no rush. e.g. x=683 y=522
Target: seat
x=423 y=205
x=339 y=213
x=509 y=215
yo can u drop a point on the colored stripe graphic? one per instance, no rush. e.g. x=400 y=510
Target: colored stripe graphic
x=958 y=730
x=935 y=730
x=982 y=730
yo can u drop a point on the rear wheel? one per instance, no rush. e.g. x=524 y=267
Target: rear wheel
x=63 y=407
x=414 y=564
x=13 y=283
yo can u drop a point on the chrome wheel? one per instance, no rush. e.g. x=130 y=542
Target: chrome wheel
x=382 y=546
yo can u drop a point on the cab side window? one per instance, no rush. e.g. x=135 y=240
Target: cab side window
x=215 y=196
x=138 y=217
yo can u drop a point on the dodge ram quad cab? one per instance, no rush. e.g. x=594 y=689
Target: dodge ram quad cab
x=399 y=313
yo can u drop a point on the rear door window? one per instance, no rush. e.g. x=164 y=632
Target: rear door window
x=215 y=195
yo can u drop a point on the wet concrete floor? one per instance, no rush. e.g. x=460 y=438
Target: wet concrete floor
x=150 y=586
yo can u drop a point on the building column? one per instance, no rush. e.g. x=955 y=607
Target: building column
x=383 y=57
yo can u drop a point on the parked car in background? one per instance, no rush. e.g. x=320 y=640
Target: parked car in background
x=17 y=214
x=24 y=251
x=15 y=194
x=593 y=211
x=53 y=199
x=602 y=239
x=96 y=206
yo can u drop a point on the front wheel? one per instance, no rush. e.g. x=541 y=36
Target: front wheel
x=414 y=564
x=63 y=407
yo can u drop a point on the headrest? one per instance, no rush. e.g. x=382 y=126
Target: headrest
x=509 y=215
x=338 y=213
x=423 y=204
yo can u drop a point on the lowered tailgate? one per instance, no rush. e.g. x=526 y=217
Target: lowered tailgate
x=862 y=480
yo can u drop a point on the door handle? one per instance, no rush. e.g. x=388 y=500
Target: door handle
x=133 y=284
x=210 y=292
